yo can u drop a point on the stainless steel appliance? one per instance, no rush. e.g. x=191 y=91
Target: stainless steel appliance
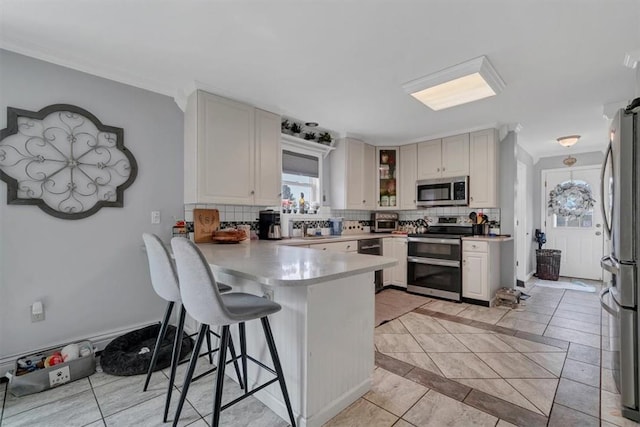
x=621 y=216
x=434 y=261
x=269 y=225
x=384 y=222
x=372 y=247
x=443 y=192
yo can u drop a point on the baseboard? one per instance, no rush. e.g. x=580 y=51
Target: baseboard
x=100 y=341
x=529 y=276
x=396 y=287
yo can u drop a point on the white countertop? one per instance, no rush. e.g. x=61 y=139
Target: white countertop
x=488 y=238
x=275 y=264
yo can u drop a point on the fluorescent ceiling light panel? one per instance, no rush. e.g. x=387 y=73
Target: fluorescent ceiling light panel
x=460 y=84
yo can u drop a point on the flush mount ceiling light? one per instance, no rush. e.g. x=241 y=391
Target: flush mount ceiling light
x=568 y=141
x=470 y=81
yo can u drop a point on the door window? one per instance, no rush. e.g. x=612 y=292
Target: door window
x=571 y=203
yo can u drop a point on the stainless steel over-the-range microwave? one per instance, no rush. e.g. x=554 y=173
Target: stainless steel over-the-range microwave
x=443 y=192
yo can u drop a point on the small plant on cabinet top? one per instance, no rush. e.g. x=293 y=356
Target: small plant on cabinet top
x=325 y=138
x=285 y=125
x=309 y=136
x=296 y=128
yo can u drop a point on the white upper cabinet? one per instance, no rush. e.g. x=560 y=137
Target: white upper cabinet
x=232 y=152
x=268 y=178
x=446 y=157
x=430 y=159
x=353 y=175
x=408 y=176
x=455 y=155
x=483 y=169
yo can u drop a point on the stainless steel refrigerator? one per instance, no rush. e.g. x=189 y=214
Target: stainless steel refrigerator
x=621 y=211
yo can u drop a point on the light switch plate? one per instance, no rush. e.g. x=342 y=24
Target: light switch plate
x=59 y=376
x=155 y=217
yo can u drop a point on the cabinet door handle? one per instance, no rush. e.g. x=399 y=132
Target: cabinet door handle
x=443 y=169
x=348 y=246
x=253 y=191
x=324 y=249
x=438 y=170
x=279 y=194
x=471 y=199
x=364 y=201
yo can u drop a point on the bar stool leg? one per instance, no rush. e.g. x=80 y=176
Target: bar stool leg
x=243 y=353
x=278 y=367
x=156 y=349
x=209 y=349
x=232 y=350
x=175 y=358
x=222 y=358
x=204 y=329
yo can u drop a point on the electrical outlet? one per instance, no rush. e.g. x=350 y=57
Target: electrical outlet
x=59 y=376
x=155 y=217
x=267 y=293
x=37 y=311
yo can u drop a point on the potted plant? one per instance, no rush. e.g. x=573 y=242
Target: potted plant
x=296 y=129
x=309 y=136
x=324 y=138
x=285 y=127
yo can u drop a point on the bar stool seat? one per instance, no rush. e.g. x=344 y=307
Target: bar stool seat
x=204 y=302
x=164 y=280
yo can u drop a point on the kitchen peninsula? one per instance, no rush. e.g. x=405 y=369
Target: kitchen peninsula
x=324 y=332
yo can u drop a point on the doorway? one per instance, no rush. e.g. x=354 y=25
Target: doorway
x=523 y=241
x=580 y=238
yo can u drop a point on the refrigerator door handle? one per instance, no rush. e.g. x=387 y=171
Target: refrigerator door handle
x=603 y=208
x=611 y=265
x=606 y=306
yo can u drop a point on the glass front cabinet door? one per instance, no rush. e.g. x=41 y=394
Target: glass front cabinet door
x=387 y=180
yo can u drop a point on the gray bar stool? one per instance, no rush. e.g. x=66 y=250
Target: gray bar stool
x=165 y=282
x=204 y=302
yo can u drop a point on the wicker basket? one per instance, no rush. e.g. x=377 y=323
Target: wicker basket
x=548 y=264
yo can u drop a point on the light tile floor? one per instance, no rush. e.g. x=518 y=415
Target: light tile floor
x=431 y=371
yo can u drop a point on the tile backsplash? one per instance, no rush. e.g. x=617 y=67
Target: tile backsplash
x=232 y=215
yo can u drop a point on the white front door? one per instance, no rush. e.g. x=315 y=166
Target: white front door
x=579 y=239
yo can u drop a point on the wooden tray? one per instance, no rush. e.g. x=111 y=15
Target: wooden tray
x=205 y=222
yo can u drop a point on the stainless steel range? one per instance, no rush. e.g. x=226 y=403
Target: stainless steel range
x=434 y=260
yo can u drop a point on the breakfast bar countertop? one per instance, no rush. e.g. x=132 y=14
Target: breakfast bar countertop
x=274 y=264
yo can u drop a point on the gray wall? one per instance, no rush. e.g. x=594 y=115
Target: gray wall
x=508 y=175
x=91 y=274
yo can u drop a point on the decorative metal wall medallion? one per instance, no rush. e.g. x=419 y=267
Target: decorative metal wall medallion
x=64 y=160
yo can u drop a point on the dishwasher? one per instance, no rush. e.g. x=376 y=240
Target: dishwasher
x=372 y=247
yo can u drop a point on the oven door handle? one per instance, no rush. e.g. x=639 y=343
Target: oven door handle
x=434 y=261
x=606 y=306
x=434 y=240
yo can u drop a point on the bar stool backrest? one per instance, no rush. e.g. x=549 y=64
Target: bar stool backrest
x=163 y=274
x=198 y=288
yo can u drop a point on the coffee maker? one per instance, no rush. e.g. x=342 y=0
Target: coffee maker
x=269 y=225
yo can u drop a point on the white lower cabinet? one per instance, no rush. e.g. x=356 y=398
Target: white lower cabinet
x=480 y=270
x=395 y=247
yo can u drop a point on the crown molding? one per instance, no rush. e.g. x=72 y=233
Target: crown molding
x=114 y=74
x=484 y=126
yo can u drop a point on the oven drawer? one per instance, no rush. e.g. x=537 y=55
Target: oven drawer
x=474 y=246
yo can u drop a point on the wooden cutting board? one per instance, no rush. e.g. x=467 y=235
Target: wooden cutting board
x=205 y=222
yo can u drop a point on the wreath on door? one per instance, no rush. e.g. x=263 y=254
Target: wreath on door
x=571 y=199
